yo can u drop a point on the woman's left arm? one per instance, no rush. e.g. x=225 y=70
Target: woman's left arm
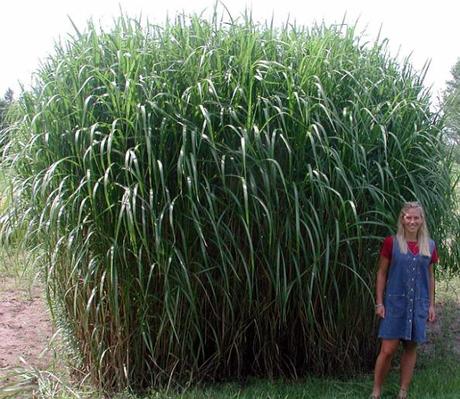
x=431 y=311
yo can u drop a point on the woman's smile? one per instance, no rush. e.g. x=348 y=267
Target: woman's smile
x=412 y=220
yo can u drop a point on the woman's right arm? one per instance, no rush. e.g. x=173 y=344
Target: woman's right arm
x=380 y=285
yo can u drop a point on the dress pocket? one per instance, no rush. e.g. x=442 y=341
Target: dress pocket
x=395 y=306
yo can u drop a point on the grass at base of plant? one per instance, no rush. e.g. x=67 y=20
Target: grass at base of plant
x=30 y=382
x=439 y=379
x=57 y=381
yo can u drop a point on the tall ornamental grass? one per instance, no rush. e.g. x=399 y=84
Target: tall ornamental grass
x=209 y=198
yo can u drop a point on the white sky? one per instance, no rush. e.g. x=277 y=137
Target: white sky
x=430 y=30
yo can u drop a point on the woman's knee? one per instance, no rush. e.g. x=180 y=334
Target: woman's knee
x=387 y=352
x=389 y=348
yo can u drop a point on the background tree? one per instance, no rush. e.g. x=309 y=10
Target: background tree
x=9 y=96
x=451 y=105
x=5 y=103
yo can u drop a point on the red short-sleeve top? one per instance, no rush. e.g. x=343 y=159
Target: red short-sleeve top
x=387 y=249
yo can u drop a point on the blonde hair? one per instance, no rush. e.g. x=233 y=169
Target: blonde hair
x=423 y=237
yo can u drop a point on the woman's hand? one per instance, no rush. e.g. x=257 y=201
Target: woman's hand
x=380 y=311
x=431 y=314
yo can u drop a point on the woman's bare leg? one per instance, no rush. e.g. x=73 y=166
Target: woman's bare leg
x=408 y=359
x=383 y=363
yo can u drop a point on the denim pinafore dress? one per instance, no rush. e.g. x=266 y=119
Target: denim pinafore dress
x=407 y=296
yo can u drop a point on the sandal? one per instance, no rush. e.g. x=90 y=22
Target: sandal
x=402 y=394
x=374 y=396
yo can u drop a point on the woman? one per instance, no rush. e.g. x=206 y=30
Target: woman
x=404 y=294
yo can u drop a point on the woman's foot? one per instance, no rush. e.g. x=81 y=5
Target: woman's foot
x=402 y=394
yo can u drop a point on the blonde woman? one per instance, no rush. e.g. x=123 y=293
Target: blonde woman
x=404 y=295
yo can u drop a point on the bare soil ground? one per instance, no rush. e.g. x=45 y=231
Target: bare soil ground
x=25 y=327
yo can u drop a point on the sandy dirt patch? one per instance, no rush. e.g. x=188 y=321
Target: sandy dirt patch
x=25 y=327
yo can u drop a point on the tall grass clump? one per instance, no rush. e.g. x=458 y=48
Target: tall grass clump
x=209 y=198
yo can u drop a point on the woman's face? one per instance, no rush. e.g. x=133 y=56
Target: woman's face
x=412 y=220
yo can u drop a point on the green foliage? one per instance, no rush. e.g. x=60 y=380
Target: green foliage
x=210 y=197
x=451 y=108
x=452 y=102
x=5 y=104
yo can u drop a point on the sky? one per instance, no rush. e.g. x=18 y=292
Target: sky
x=427 y=30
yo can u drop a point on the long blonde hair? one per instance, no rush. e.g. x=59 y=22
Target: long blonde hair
x=423 y=236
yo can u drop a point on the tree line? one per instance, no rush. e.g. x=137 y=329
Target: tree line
x=451 y=109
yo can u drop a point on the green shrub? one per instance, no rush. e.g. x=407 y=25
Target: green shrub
x=210 y=197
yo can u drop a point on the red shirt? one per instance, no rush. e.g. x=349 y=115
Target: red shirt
x=387 y=249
